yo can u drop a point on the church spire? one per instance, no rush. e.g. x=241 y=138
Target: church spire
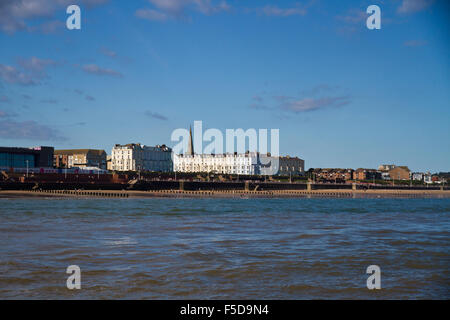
x=190 y=150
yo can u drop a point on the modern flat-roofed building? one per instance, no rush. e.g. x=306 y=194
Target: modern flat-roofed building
x=37 y=157
x=80 y=158
x=137 y=157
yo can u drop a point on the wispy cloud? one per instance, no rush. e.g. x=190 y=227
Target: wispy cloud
x=271 y=10
x=88 y=97
x=16 y=15
x=155 y=115
x=107 y=52
x=313 y=104
x=48 y=27
x=50 y=101
x=258 y=99
x=30 y=130
x=151 y=15
x=320 y=88
x=163 y=10
x=95 y=69
x=414 y=43
x=7 y=114
x=259 y=106
x=4 y=99
x=351 y=22
x=12 y=75
x=36 y=66
x=29 y=71
x=317 y=98
x=353 y=16
x=412 y=6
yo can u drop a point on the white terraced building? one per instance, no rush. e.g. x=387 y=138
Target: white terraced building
x=137 y=157
x=217 y=163
x=249 y=163
x=246 y=164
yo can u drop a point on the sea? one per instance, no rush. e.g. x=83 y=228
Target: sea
x=168 y=248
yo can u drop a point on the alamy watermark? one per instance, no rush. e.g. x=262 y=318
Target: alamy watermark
x=74 y=280
x=74 y=20
x=374 y=280
x=374 y=20
x=251 y=141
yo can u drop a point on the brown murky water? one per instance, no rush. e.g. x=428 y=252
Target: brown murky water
x=224 y=248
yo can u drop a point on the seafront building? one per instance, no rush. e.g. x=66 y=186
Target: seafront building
x=37 y=157
x=291 y=166
x=366 y=174
x=400 y=173
x=137 y=157
x=245 y=164
x=331 y=174
x=249 y=163
x=80 y=158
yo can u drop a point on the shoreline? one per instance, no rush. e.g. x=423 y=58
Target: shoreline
x=238 y=194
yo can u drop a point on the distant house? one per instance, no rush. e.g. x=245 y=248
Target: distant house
x=385 y=175
x=437 y=179
x=427 y=178
x=332 y=174
x=421 y=176
x=366 y=174
x=417 y=176
x=400 y=173
x=386 y=167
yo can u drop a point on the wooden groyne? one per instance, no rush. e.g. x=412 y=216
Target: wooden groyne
x=330 y=193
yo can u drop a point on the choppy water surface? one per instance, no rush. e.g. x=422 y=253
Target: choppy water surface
x=225 y=248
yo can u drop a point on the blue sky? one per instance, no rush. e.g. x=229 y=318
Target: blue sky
x=341 y=95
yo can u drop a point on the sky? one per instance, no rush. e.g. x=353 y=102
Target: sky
x=340 y=94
